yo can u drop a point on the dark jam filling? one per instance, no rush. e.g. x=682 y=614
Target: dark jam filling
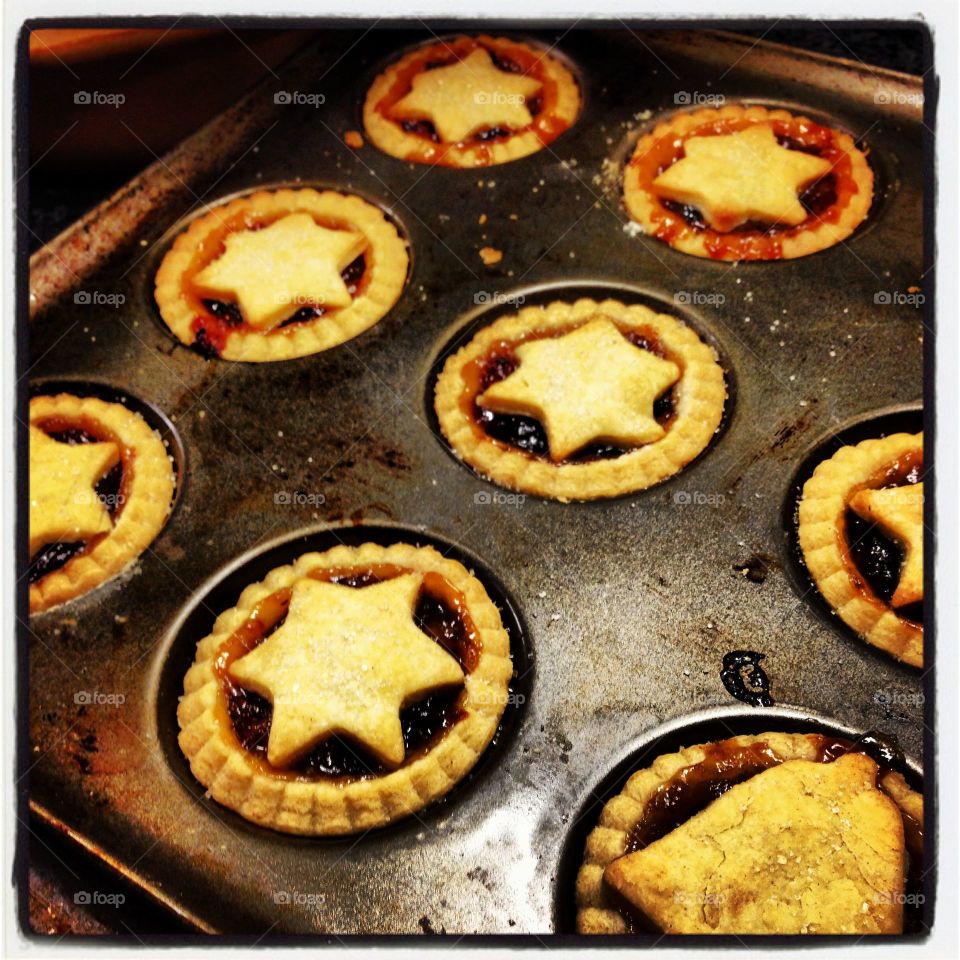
x=211 y=331
x=422 y=723
x=816 y=199
x=426 y=130
x=692 y=789
x=878 y=558
x=528 y=435
x=55 y=556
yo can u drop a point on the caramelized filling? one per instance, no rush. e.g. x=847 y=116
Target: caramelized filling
x=873 y=558
x=526 y=433
x=693 y=788
x=545 y=124
x=824 y=200
x=441 y=613
x=215 y=320
x=111 y=489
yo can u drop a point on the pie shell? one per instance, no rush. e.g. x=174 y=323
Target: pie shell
x=699 y=398
x=335 y=807
x=148 y=486
x=387 y=263
x=608 y=840
x=642 y=204
x=821 y=518
x=392 y=139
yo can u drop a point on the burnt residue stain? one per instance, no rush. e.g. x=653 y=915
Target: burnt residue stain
x=745 y=679
x=756 y=568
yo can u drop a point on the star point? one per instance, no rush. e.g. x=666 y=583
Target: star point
x=273 y=272
x=738 y=177
x=587 y=386
x=898 y=511
x=466 y=97
x=345 y=662
x=64 y=506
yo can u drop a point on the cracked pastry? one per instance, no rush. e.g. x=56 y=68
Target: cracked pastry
x=770 y=834
x=101 y=488
x=281 y=274
x=470 y=102
x=747 y=183
x=579 y=401
x=860 y=529
x=346 y=690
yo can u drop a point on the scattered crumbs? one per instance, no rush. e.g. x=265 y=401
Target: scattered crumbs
x=632 y=229
x=492 y=183
x=482 y=219
x=279 y=433
x=793 y=377
x=202 y=414
x=573 y=255
x=490 y=255
x=514 y=216
x=143 y=243
x=480 y=184
x=541 y=594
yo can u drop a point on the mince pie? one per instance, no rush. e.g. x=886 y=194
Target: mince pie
x=346 y=690
x=861 y=534
x=770 y=834
x=747 y=183
x=578 y=401
x=470 y=102
x=281 y=274
x=101 y=487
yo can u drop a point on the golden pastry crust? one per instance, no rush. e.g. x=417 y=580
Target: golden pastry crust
x=148 y=487
x=825 y=499
x=699 y=399
x=596 y=911
x=384 y=278
x=560 y=95
x=819 y=231
x=341 y=806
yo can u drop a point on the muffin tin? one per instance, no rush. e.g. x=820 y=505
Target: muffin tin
x=620 y=612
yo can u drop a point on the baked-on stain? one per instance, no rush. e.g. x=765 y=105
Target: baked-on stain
x=441 y=613
x=823 y=200
x=215 y=320
x=111 y=489
x=745 y=679
x=727 y=763
x=527 y=433
x=545 y=124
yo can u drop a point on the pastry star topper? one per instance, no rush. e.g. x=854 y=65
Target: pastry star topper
x=273 y=272
x=64 y=506
x=898 y=511
x=737 y=177
x=345 y=661
x=587 y=386
x=468 y=96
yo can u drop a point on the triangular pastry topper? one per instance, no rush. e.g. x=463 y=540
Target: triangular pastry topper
x=802 y=847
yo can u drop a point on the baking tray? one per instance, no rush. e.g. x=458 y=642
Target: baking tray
x=620 y=612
